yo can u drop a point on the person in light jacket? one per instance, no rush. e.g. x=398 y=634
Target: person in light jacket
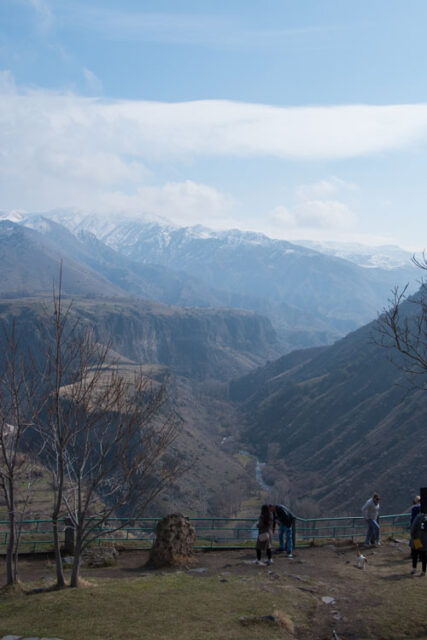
x=370 y=512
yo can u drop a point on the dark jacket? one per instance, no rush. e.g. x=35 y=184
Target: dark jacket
x=419 y=531
x=283 y=515
x=415 y=511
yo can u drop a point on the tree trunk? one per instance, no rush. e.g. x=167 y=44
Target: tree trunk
x=60 y=581
x=11 y=575
x=75 y=571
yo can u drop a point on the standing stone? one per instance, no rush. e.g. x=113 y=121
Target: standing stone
x=174 y=542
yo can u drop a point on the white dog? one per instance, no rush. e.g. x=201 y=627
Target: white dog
x=361 y=559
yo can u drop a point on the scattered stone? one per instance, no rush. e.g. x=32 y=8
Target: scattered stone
x=198 y=570
x=295 y=577
x=174 y=542
x=274 y=575
x=226 y=573
x=308 y=589
x=96 y=557
x=336 y=615
x=277 y=619
x=328 y=600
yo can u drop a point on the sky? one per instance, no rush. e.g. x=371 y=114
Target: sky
x=302 y=119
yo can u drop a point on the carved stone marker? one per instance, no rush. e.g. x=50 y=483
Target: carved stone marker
x=174 y=542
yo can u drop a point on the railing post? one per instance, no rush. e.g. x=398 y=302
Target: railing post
x=69 y=537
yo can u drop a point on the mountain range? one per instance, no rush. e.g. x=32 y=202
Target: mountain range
x=253 y=334
x=311 y=298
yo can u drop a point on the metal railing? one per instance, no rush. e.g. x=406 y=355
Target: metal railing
x=211 y=533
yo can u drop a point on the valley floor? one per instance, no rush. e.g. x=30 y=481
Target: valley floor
x=224 y=595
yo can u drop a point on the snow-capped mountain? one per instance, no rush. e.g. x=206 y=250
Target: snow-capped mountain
x=311 y=298
x=377 y=257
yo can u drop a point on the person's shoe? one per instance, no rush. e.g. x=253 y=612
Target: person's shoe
x=290 y=555
x=269 y=562
x=423 y=573
x=413 y=572
x=378 y=544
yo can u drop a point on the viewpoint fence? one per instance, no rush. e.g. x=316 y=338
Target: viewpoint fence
x=211 y=533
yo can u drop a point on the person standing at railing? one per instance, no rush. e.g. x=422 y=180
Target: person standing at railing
x=265 y=534
x=419 y=542
x=286 y=520
x=370 y=511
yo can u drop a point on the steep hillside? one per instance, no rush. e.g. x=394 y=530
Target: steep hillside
x=340 y=421
x=200 y=344
x=29 y=262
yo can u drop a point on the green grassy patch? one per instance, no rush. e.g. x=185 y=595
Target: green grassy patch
x=153 y=607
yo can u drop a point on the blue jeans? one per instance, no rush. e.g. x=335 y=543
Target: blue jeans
x=288 y=531
x=373 y=530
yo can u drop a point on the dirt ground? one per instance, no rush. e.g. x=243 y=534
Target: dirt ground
x=382 y=601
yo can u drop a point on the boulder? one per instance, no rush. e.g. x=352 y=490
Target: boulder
x=100 y=556
x=174 y=542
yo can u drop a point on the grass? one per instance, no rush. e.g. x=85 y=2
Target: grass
x=384 y=602
x=156 y=607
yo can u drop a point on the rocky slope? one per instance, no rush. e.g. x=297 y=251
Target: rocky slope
x=341 y=422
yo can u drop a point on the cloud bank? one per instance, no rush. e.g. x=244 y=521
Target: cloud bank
x=67 y=150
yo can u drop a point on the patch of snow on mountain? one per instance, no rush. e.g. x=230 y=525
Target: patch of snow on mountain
x=382 y=257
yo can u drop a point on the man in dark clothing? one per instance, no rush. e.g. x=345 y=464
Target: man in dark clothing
x=286 y=520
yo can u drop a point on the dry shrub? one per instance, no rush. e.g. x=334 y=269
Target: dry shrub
x=284 y=621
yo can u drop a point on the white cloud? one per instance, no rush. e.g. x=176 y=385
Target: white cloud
x=313 y=214
x=320 y=205
x=182 y=202
x=180 y=27
x=7 y=83
x=219 y=127
x=67 y=150
x=43 y=11
x=93 y=83
x=323 y=188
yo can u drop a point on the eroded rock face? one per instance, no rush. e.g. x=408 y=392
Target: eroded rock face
x=174 y=542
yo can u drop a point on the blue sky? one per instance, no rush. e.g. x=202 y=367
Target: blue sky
x=301 y=119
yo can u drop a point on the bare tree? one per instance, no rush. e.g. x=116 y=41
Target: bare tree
x=119 y=455
x=19 y=394
x=402 y=327
x=106 y=437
